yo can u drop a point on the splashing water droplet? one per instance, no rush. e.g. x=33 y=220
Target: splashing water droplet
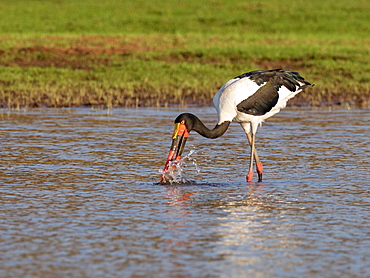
x=175 y=171
x=193 y=160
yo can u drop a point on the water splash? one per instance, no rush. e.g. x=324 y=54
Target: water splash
x=175 y=172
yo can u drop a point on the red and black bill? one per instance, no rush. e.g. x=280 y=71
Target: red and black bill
x=180 y=135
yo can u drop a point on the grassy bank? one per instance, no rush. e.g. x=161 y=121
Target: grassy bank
x=131 y=53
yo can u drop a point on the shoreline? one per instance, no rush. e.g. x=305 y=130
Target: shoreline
x=142 y=71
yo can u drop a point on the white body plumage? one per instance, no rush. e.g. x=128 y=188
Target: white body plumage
x=239 y=89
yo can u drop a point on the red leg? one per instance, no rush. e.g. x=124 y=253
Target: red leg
x=259 y=165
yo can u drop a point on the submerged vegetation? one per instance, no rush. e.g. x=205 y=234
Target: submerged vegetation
x=160 y=53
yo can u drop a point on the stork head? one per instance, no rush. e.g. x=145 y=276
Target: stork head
x=187 y=119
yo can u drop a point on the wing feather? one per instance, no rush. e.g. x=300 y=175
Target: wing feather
x=267 y=96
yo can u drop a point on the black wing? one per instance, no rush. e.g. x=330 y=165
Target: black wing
x=261 y=101
x=270 y=81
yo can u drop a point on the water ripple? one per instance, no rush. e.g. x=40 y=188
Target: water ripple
x=80 y=196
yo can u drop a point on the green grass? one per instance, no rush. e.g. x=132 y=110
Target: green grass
x=127 y=53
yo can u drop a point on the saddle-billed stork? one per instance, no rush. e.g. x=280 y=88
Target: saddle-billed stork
x=248 y=99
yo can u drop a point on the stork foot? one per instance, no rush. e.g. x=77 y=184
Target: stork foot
x=250 y=176
x=259 y=171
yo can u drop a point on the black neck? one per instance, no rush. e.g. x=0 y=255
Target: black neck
x=216 y=132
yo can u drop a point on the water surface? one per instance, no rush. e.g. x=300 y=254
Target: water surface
x=78 y=196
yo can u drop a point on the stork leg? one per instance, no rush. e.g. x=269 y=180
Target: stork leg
x=250 y=173
x=256 y=158
x=249 y=129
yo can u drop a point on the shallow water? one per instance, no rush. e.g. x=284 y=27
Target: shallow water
x=78 y=196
